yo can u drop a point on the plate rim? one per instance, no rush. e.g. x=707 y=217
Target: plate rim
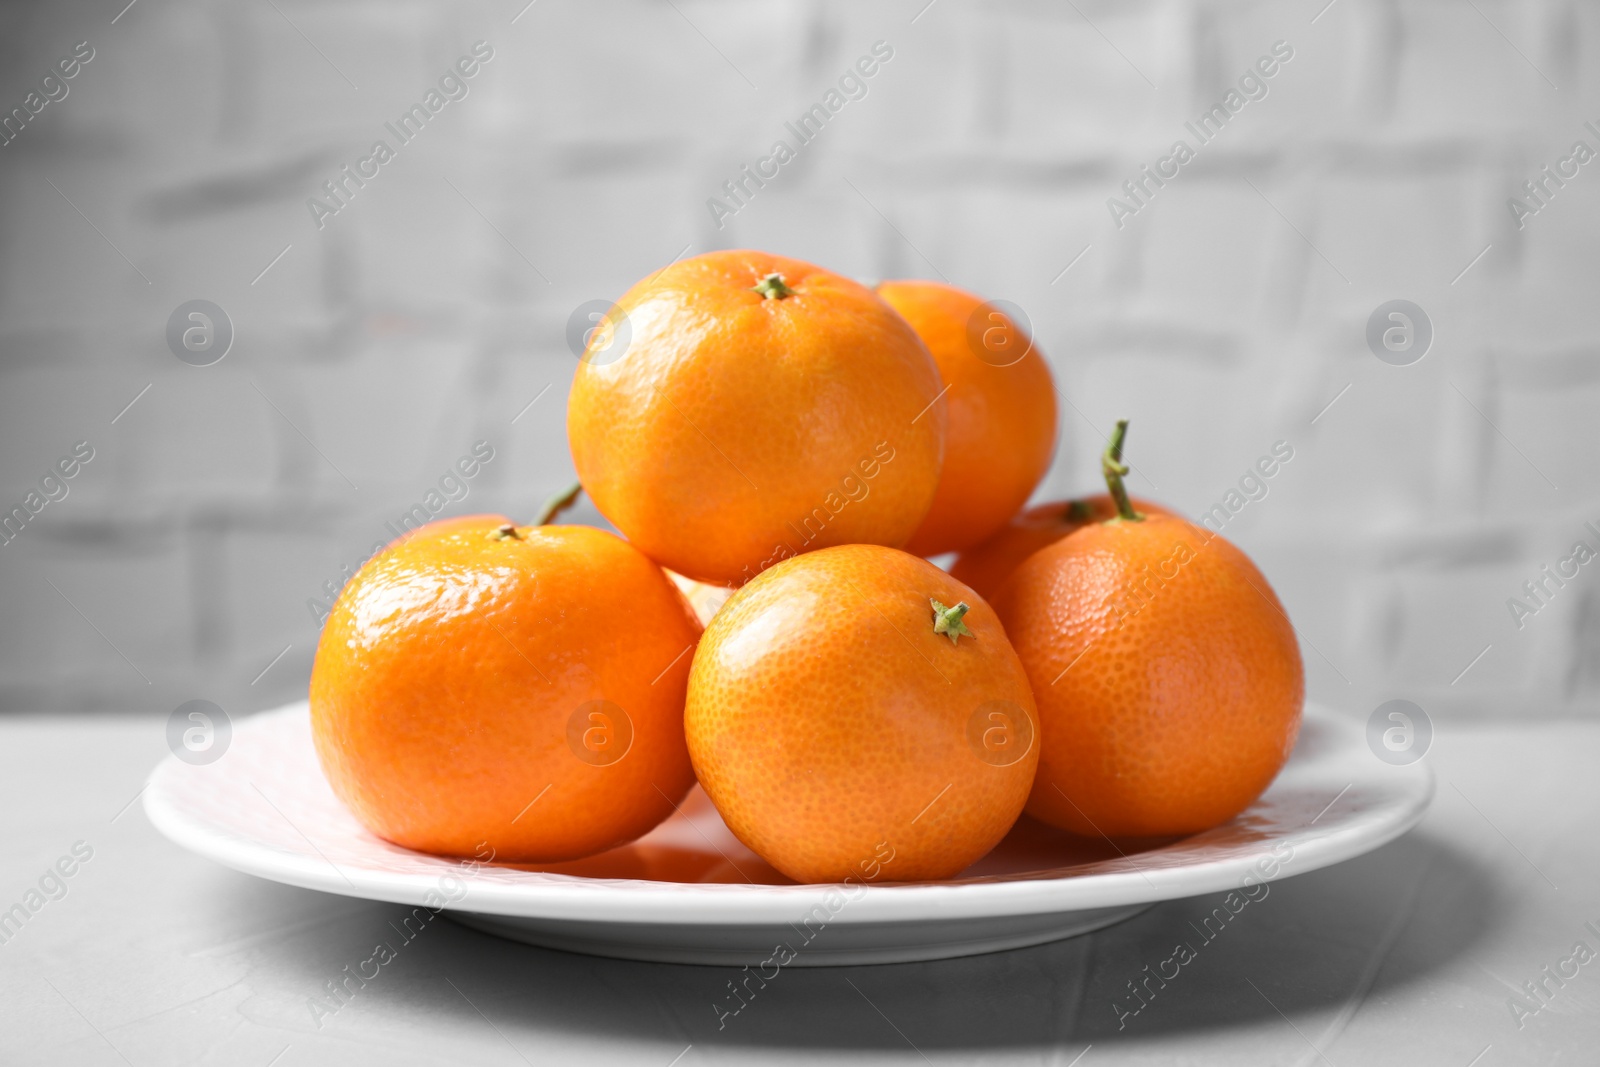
x=581 y=898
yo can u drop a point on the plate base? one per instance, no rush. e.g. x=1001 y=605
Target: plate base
x=836 y=945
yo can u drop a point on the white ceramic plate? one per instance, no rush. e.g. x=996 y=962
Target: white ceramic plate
x=689 y=892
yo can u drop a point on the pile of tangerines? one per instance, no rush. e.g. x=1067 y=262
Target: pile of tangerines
x=781 y=431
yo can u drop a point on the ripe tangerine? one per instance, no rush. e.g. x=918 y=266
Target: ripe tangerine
x=762 y=407
x=855 y=701
x=521 y=687
x=986 y=566
x=1168 y=678
x=1002 y=412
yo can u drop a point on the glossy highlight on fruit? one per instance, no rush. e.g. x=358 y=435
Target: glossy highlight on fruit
x=763 y=407
x=517 y=687
x=858 y=699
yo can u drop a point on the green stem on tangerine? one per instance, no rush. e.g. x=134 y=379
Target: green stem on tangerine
x=1115 y=470
x=773 y=287
x=947 y=621
x=558 y=503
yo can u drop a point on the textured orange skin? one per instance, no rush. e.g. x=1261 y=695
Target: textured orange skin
x=986 y=567
x=1002 y=430
x=825 y=717
x=1176 y=721
x=732 y=420
x=450 y=666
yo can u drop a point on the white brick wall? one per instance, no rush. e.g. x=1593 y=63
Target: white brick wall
x=1221 y=318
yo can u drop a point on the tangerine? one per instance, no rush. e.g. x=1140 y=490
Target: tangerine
x=855 y=712
x=986 y=566
x=516 y=686
x=761 y=407
x=1002 y=412
x=1168 y=678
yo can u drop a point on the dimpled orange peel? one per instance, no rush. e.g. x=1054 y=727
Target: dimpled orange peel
x=750 y=407
x=1168 y=678
x=1002 y=431
x=483 y=684
x=986 y=566
x=857 y=703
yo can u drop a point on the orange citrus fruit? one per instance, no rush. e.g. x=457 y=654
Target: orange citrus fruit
x=1168 y=678
x=1002 y=410
x=858 y=703
x=986 y=566
x=738 y=408
x=520 y=687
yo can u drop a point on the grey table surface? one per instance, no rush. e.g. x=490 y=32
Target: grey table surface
x=1415 y=954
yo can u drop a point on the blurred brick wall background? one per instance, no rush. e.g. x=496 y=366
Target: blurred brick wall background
x=430 y=311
